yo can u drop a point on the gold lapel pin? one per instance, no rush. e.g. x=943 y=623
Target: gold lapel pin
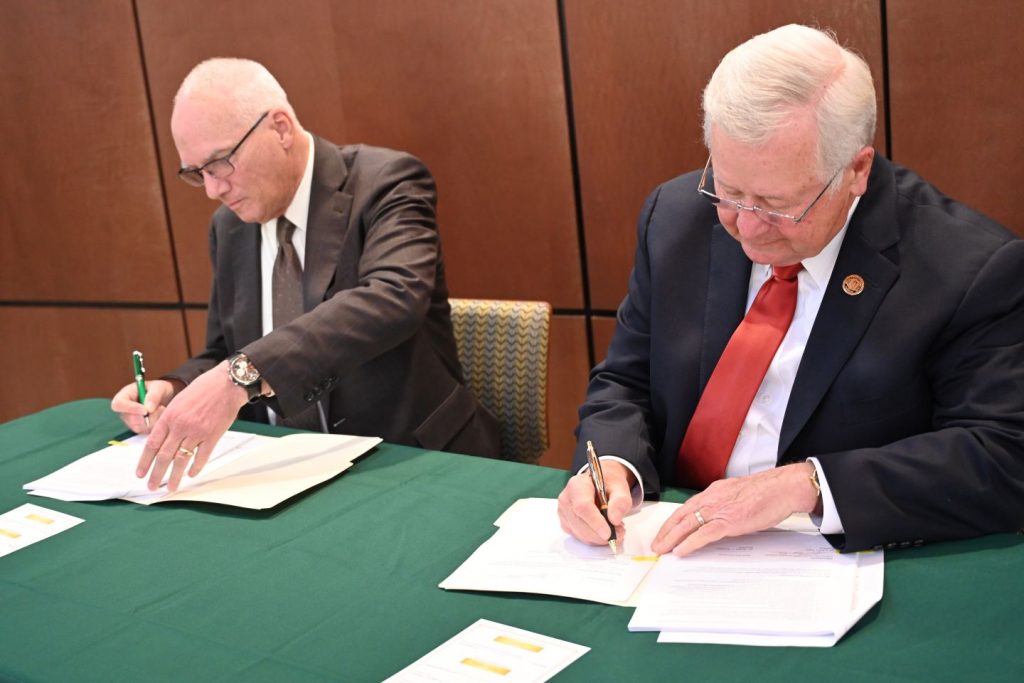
x=853 y=285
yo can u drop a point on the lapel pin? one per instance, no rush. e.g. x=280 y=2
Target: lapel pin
x=853 y=285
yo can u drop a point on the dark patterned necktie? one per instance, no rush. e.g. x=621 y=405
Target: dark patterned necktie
x=722 y=408
x=286 y=283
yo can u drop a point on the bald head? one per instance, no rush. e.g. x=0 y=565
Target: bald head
x=238 y=90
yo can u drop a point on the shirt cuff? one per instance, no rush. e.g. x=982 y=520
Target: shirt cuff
x=637 y=492
x=828 y=522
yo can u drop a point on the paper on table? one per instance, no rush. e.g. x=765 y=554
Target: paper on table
x=488 y=651
x=110 y=472
x=28 y=523
x=251 y=471
x=867 y=592
x=531 y=554
x=779 y=588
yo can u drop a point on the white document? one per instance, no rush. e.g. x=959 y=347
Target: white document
x=245 y=470
x=769 y=588
x=28 y=523
x=531 y=554
x=488 y=651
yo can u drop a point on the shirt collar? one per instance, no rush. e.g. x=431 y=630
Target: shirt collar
x=819 y=267
x=298 y=211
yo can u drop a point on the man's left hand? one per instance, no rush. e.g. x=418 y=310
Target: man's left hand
x=190 y=427
x=737 y=506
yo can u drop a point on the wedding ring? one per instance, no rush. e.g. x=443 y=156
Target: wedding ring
x=700 y=518
x=189 y=453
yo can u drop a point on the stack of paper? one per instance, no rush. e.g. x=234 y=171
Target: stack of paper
x=531 y=554
x=778 y=587
x=245 y=470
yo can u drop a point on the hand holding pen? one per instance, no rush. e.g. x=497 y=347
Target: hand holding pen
x=597 y=475
x=140 y=403
x=140 y=380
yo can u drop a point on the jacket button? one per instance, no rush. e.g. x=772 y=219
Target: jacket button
x=309 y=397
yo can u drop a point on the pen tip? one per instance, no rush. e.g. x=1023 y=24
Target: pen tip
x=613 y=546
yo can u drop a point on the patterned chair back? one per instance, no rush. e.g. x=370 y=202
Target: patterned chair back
x=503 y=347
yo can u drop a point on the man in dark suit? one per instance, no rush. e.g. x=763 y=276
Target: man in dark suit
x=893 y=407
x=361 y=342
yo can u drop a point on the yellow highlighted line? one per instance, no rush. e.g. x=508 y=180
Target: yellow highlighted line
x=39 y=518
x=645 y=558
x=115 y=442
x=493 y=668
x=9 y=534
x=522 y=645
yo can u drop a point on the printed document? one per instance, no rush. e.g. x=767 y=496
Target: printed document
x=531 y=554
x=782 y=586
x=245 y=470
x=488 y=651
x=28 y=523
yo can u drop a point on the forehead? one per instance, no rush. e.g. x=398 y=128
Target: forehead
x=783 y=164
x=203 y=127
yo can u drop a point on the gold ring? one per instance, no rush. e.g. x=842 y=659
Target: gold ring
x=189 y=453
x=700 y=518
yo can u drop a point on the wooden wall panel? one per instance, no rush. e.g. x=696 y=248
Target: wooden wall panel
x=57 y=354
x=638 y=70
x=486 y=112
x=294 y=40
x=957 y=107
x=567 y=384
x=475 y=89
x=80 y=205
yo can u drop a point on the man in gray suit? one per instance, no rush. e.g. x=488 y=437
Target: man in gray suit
x=368 y=348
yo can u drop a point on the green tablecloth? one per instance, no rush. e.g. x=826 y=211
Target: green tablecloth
x=340 y=584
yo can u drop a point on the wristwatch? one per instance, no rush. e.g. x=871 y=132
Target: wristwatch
x=243 y=373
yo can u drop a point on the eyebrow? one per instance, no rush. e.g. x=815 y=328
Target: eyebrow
x=760 y=198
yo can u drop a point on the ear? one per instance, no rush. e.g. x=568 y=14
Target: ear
x=283 y=125
x=862 y=161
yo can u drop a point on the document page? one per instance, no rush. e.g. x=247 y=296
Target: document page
x=488 y=651
x=531 y=554
x=28 y=523
x=245 y=470
x=110 y=472
x=774 y=582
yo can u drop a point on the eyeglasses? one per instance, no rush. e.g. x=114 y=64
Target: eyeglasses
x=220 y=167
x=773 y=217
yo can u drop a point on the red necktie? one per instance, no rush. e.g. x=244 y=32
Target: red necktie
x=723 y=406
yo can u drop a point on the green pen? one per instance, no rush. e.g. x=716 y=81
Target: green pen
x=140 y=380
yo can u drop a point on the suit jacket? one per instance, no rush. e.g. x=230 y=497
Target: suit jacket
x=911 y=394
x=375 y=345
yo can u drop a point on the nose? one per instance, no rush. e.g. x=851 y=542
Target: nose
x=215 y=187
x=750 y=224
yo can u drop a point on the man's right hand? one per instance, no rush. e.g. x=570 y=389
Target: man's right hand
x=126 y=404
x=577 y=504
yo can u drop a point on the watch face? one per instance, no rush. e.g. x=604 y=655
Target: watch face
x=242 y=371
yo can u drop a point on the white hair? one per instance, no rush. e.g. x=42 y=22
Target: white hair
x=759 y=84
x=248 y=85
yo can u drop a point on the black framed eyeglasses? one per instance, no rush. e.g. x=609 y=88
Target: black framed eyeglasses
x=767 y=215
x=221 y=167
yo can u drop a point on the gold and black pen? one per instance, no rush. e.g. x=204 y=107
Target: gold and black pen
x=602 y=494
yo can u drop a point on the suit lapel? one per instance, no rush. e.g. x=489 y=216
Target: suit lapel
x=843 y=319
x=329 y=208
x=246 y=312
x=728 y=280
